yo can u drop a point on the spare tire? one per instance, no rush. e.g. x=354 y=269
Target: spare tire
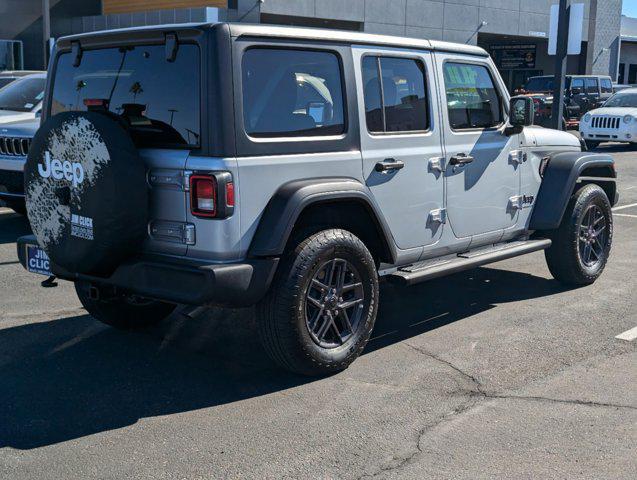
x=86 y=192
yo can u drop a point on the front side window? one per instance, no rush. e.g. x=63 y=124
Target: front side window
x=577 y=83
x=395 y=95
x=292 y=93
x=472 y=98
x=158 y=99
x=591 y=85
x=607 y=85
x=22 y=95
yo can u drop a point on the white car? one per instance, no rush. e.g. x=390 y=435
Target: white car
x=21 y=100
x=615 y=121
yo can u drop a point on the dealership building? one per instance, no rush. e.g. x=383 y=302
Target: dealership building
x=515 y=32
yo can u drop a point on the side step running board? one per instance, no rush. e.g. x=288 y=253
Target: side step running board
x=430 y=269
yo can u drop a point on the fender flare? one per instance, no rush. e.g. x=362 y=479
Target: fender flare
x=559 y=181
x=289 y=201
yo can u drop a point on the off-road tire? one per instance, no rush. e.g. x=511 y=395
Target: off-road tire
x=122 y=312
x=563 y=257
x=283 y=330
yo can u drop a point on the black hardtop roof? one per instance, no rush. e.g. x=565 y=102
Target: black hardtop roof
x=238 y=30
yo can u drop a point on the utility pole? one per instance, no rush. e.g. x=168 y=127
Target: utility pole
x=560 y=65
x=46 y=30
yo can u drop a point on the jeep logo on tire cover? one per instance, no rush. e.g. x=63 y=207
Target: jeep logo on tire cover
x=58 y=170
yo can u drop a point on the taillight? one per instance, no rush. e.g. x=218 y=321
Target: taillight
x=212 y=194
x=203 y=196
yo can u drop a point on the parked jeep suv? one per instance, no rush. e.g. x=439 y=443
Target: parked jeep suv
x=292 y=168
x=582 y=93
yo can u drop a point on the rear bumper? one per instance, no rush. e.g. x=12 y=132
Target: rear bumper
x=194 y=283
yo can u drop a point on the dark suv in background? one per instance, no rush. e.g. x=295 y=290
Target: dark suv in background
x=582 y=93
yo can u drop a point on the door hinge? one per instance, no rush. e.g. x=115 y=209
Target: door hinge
x=438 y=216
x=436 y=164
x=516 y=157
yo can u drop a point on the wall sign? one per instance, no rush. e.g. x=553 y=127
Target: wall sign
x=509 y=57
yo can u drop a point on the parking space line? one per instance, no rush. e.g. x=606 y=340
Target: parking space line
x=623 y=207
x=628 y=335
x=624 y=215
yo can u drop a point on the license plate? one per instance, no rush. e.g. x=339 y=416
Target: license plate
x=38 y=261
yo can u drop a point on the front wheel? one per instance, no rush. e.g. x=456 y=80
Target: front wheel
x=581 y=245
x=321 y=308
x=124 y=311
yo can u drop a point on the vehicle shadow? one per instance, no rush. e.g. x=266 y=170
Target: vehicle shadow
x=615 y=148
x=12 y=227
x=68 y=378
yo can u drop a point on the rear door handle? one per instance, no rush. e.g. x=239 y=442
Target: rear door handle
x=389 y=164
x=460 y=159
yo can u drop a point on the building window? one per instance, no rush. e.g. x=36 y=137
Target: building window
x=292 y=93
x=395 y=98
x=473 y=100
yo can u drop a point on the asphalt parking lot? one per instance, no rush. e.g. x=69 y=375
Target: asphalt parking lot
x=498 y=372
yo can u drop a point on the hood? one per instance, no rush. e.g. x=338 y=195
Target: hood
x=614 y=111
x=24 y=128
x=547 y=137
x=7 y=116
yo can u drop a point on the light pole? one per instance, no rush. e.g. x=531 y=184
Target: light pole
x=560 y=65
x=46 y=30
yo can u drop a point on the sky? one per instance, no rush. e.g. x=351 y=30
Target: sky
x=630 y=8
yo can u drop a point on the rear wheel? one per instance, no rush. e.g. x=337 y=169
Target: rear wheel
x=123 y=311
x=321 y=308
x=581 y=245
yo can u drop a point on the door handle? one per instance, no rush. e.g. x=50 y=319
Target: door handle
x=460 y=159
x=389 y=164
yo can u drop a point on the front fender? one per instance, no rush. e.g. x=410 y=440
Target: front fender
x=286 y=205
x=559 y=181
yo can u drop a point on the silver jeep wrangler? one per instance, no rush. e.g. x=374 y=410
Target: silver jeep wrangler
x=290 y=169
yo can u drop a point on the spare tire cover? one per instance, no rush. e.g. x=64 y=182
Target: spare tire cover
x=86 y=192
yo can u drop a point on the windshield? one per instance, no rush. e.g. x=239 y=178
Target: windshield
x=622 y=100
x=23 y=95
x=4 y=81
x=157 y=99
x=539 y=84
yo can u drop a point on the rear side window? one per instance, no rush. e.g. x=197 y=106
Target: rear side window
x=591 y=85
x=472 y=98
x=607 y=85
x=395 y=95
x=159 y=100
x=292 y=93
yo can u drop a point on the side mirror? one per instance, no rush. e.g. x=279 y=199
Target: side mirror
x=521 y=114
